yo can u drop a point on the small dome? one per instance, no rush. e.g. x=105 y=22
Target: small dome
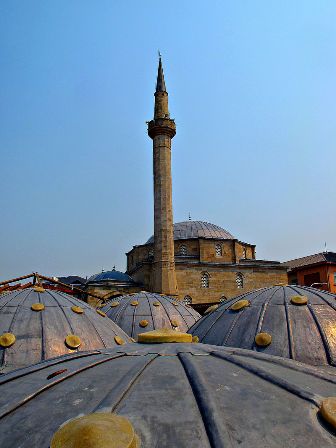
x=168 y=395
x=197 y=229
x=298 y=323
x=144 y=311
x=112 y=276
x=48 y=324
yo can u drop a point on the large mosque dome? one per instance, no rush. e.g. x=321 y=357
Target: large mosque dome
x=197 y=229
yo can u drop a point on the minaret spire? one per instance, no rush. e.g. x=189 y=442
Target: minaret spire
x=162 y=129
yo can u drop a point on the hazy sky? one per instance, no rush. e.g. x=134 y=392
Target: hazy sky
x=252 y=87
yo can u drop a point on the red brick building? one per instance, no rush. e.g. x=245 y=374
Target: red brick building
x=318 y=270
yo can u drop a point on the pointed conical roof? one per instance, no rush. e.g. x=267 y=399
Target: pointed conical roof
x=160 y=82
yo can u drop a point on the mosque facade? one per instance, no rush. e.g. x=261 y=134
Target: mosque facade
x=196 y=261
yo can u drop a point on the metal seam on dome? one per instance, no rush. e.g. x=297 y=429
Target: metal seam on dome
x=126 y=383
x=285 y=362
x=96 y=329
x=271 y=378
x=72 y=331
x=56 y=381
x=291 y=347
x=327 y=348
x=206 y=405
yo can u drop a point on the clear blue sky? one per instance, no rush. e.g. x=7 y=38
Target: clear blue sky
x=252 y=88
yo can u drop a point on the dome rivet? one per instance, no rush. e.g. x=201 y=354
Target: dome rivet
x=119 y=340
x=39 y=289
x=77 y=309
x=240 y=305
x=114 y=304
x=143 y=323
x=101 y=313
x=175 y=304
x=195 y=339
x=299 y=300
x=134 y=303
x=175 y=323
x=156 y=303
x=211 y=309
x=37 y=307
x=163 y=335
x=96 y=430
x=72 y=341
x=328 y=410
x=7 y=340
x=263 y=339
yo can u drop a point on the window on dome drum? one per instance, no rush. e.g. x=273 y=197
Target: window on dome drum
x=244 y=253
x=183 y=250
x=205 y=280
x=218 y=250
x=223 y=299
x=187 y=300
x=240 y=280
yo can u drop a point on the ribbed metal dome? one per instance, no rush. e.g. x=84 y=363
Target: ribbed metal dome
x=114 y=276
x=305 y=332
x=197 y=229
x=144 y=311
x=40 y=323
x=173 y=395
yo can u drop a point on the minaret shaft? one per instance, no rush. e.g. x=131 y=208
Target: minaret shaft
x=162 y=129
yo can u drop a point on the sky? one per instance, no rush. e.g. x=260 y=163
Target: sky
x=252 y=88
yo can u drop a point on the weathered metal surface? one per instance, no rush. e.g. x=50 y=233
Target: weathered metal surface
x=110 y=276
x=174 y=395
x=306 y=333
x=197 y=229
x=159 y=311
x=41 y=334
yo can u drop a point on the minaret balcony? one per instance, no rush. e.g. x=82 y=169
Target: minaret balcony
x=161 y=126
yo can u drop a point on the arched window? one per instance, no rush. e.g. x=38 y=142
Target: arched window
x=151 y=253
x=239 y=280
x=205 y=280
x=223 y=299
x=218 y=250
x=187 y=300
x=244 y=253
x=183 y=250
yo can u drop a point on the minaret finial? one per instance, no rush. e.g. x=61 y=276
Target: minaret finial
x=189 y=216
x=160 y=82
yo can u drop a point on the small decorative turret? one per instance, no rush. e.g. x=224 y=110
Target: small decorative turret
x=162 y=129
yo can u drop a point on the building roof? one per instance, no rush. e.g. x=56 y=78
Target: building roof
x=112 y=276
x=72 y=280
x=198 y=229
x=306 y=332
x=172 y=395
x=41 y=334
x=322 y=257
x=145 y=311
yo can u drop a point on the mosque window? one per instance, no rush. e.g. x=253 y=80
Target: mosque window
x=239 y=280
x=218 y=250
x=223 y=298
x=205 y=280
x=151 y=253
x=183 y=250
x=187 y=300
x=244 y=252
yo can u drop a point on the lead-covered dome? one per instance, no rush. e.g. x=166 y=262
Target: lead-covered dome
x=289 y=321
x=145 y=311
x=37 y=324
x=168 y=395
x=198 y=229
x=110 y=276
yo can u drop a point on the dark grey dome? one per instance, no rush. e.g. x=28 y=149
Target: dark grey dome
x=113 y=276
x=152 y=312
x=305 y=332
x=41 y=334
x=198 y=229
x=174 y=395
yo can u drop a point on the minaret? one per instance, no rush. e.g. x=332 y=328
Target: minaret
x=162 y=129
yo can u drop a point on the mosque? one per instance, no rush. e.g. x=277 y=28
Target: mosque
x=145 y=370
